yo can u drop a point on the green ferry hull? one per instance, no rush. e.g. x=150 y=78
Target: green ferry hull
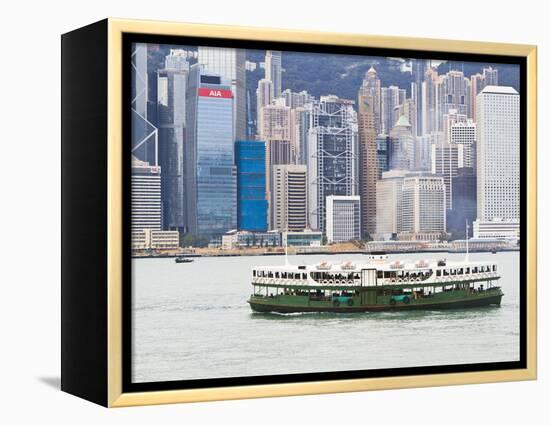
x=462 y=303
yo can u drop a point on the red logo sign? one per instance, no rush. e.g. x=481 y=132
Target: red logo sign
x=215 y=93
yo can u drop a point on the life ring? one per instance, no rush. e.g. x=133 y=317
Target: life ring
x=350 y=302
x=336 y=281
x=392 y=302
x=406 y=300
x=393 y=280
x=325 y=282
x=336 y=302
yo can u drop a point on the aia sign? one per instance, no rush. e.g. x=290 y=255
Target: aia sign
x=215 y=93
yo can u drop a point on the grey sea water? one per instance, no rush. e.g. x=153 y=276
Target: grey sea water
x=191 y=321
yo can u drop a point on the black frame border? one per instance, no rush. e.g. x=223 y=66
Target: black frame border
x=128 y=386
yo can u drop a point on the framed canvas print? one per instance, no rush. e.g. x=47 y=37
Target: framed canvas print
x=254 y=212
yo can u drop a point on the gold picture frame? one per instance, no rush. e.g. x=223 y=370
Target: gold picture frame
x=115 y=396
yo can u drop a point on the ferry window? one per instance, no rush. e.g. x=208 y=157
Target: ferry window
x=467 y=270
x=254 y=273
x=475 y=270
x=304 y=276
x=380 y=274
x=276 y=275
x=438 y=273
x=494 y=268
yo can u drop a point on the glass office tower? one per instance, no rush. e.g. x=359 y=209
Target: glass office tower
x=211 y=178
x=251 y=197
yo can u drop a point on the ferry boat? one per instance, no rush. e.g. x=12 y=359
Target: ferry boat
x=375 y=285
x=183 y=260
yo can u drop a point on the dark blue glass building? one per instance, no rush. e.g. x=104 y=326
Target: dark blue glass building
x=251 y=197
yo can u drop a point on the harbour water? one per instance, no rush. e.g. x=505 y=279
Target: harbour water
x=191 y=321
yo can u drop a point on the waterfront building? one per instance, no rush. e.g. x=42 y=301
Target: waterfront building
x=423 y=208
x=498 y=152
x=402 y=146
x=465 y=134
x=289 y=197
x=497 y=228
x=446 y=159
x=463 y=201
x=211 y=172
x=333 y=158
x=305 y=238
x=152 y=239
x=389 y=196
x=246 y=239
x=368 y=165
x=251 y=192
x=274 y=71
x=145 y=196
x=343 y=222
x=230 y=64
x=171 y=118
x=390 y=98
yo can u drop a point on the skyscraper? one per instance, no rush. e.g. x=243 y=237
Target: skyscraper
x=230 y=64
x=276 y=131
x=382 y=154
x=171 y=117
x=211 y=173
x=447 y=158
x=371 y=86
x=289 y=197
x=343 y=218
x=389 y=196
x=418 y=71
x=264 y=97
x=273 y=70
x=402 y=146
x=455 y=93
x=464 y=202
x=391 y=97
x=145 y=198
x=490 y=75
x=333 y=157
x=368 y=165
x=423 y=208
x=431 y=102
x=498 y=152
x=251 y=193
x=465 y=134
x=296 y=99
x=449 y=119
x=144 y=131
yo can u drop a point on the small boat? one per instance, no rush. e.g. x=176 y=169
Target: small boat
x=184 y=260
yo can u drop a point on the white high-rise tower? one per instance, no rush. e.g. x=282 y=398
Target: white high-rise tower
x=498 y=177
